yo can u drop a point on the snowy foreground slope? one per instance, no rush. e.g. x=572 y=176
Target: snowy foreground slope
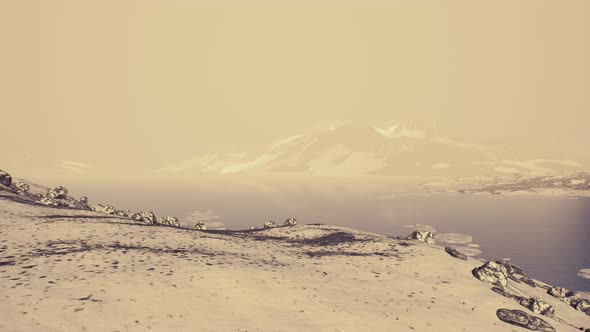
x=75 y=270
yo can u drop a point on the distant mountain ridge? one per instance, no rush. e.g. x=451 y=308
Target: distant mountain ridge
x=352 y=150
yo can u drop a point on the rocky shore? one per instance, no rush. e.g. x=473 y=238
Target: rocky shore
x=67 y=265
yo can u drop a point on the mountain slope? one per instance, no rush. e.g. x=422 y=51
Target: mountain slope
x=391 y=151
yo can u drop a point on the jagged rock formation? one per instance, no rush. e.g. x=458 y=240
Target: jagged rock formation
x=290 y=222
x=522 y=319
x=492 y=273
x=58 y=192
x=199 y=226
x=424 y=236
x=5 y=179
x=456 y=253
x=270 y=224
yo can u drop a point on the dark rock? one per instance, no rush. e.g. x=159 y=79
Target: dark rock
x=492 y=273
x=455 y=253
x=83 y=200
x=522 y=319
x=5 y=179
x=58 y=192
x=527 y=280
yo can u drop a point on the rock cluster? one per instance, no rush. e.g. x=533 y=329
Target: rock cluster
x=570 y=298
x=424 y=236
x=522 y=319
x=171 y=221
x=147 y=217
x=534 y=304
x=270 y=224
x=290 y=222
x=58 y=192
x=108 y=209
x=22 y=187
x=5 y=179
x=199 y=226
x=492 y=273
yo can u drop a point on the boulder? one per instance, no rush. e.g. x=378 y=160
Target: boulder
x=455 y=253
x=5 y=178
x=424 y=236
x=199 y=226
x=492 y=273
x=560 y=292
x=538 y=306
x=290 y=222
x=148 y=217
x=522 y=319
x=58 y=192
x=22 y=187
x=582 y=305
x=83 y=200
x=136 y=217
x=171 y=221
x=564 y=295
x=108 y=209
x=270 y=224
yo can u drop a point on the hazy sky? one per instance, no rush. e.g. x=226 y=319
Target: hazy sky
x=144 y=83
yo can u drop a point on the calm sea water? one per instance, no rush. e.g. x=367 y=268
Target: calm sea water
x=548 y=237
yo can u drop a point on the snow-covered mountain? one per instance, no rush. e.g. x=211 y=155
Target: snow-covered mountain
x=352 y=150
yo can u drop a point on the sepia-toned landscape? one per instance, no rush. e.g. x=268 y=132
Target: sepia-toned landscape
x=224 y=165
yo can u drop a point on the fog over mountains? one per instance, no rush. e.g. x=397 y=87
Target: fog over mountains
x=352 y=150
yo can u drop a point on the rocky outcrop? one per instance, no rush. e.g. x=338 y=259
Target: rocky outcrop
x=171 y=221
x=148 y=217
x=570 y=298
x=455 y=253
x=492 y=273
x=424 y=236
x=522 y=319
x=290 y=222
x=22 y=187
x=5 y=178
x=108 y=209
x=48 y=201
x=199 y=226
x=58 y=192
x=538 y=306
x=270 y=224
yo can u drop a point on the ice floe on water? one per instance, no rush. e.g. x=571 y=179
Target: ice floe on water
x=454 y=238
x=584 y=273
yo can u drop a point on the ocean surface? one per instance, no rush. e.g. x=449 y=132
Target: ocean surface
x=548 y=237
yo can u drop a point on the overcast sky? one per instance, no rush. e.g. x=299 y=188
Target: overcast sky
x=143 y=83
